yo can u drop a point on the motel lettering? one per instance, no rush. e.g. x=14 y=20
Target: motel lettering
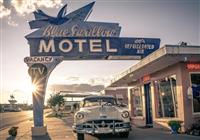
x=67 y=45
x=76 y=30
x=37 y=70
x=39 y=59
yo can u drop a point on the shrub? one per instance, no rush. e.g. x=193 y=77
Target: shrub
x=175 y=123
x=175 y=126
x=13 y=131
x=194 y=129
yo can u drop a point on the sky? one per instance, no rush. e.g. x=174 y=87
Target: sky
x=172 y=21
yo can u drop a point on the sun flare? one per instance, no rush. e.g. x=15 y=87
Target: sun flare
x=29 y=88
x=33 y=88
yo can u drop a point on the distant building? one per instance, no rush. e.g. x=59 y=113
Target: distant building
x=72 y=100
x=10 y=107
x=120 y=93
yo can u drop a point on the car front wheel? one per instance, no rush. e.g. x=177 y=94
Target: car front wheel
x=80 y=136
x=124 y=134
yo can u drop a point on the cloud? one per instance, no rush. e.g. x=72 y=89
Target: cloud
x=28 y=6
x=12 y=22
x=81 y=80
x=73 y=78
x=49 y=4
x=3 y=10
x=75 y=88
x=17 y=91
x=99 y=80
x=23 y=7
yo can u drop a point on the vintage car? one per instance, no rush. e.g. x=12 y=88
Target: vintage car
x=101 y=115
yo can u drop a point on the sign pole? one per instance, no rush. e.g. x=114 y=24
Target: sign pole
x=40 y=72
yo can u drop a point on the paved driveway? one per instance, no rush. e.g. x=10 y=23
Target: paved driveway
x=145 y=134
x=61 y=130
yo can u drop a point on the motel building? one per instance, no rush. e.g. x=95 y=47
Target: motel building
x=163 y=86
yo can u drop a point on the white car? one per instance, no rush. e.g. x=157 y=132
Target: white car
x=101 y=115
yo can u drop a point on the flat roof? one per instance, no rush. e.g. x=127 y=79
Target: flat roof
x=160 y=59
x=67 y=94
x=98 y=96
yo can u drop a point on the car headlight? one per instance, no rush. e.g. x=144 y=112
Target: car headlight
x=79 y=116
x=125 y=114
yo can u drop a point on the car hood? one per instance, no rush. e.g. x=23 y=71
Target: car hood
x=100 y=112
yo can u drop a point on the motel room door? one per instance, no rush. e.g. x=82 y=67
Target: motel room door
x=148 y=105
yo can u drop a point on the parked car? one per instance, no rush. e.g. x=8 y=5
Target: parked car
x=101 y=115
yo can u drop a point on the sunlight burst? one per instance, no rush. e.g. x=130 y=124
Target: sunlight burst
x=33 y=88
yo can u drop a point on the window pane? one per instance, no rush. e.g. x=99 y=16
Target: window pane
x=137 y=102
x=167 y=97
x=195 y=80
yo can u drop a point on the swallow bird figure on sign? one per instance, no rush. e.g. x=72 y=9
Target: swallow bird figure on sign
x=42 y=19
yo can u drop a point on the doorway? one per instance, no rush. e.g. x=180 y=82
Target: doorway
x=148 y=105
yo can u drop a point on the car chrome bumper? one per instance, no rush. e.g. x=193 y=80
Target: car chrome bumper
x=124 y=127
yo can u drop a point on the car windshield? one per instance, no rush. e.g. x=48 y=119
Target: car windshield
x=99 y=101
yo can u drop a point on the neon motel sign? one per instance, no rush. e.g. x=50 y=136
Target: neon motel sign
x=72 y=37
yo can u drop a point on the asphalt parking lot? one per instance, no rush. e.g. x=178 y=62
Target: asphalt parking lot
x=136 y=134
x=60 y=129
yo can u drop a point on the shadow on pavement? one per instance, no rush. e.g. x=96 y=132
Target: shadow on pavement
x=108 y=136
x=46 y=137
x=10 y=138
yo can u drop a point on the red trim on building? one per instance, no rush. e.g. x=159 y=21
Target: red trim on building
x=193 y=66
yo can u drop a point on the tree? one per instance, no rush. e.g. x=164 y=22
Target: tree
x=1 y=108
x=56 y=100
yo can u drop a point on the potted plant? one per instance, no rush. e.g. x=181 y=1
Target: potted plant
x=175 y=126
x=13 y=131
x=194 y=129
